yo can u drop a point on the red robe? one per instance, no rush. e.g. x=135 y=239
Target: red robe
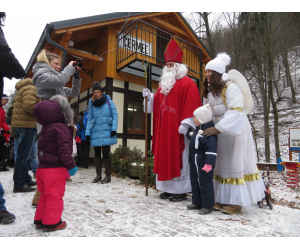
x=168 y=112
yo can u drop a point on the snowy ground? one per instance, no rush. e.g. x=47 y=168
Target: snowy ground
x=121 y=209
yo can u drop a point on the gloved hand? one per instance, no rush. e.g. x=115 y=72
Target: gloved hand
x=87 y=137
x=210 y=131
x=207 y=168
x=76 y=75
x=146 y=92
x=182 y=129
x=113 y=133
x=73 y=171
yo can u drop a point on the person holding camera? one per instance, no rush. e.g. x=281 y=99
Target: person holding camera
x=50 y=81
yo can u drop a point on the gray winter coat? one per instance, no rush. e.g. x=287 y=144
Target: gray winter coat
x=49 y=82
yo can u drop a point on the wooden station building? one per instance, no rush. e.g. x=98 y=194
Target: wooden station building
x=112 y=48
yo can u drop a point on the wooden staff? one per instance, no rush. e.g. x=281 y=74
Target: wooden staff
x=146 y=123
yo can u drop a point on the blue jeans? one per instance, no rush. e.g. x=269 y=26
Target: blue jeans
x=34 y=161
x=2 y=200
x=25 y=137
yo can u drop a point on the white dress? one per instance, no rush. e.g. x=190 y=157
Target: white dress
x=236 y=177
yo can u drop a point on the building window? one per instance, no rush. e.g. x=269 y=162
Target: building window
x=135 y=121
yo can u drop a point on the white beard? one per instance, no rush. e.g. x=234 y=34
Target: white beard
x=170 y=76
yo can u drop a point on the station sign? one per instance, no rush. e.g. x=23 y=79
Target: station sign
x=136 y=45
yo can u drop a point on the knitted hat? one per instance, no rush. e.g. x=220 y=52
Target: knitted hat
x=5 y=97
x=86 y=108
x=219 y=63
x=96 y=86
x=174 y=51
x=203 y=114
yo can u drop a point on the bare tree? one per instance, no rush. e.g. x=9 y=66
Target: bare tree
x=205 y=24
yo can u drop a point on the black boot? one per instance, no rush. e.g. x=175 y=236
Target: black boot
x=98 y=165
x=107 y=165
x=177 y=197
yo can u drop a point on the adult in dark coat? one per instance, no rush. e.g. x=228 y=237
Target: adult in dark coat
x=9 y=65
x=85 y=142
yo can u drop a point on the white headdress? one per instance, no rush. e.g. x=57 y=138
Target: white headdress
x=219 y=63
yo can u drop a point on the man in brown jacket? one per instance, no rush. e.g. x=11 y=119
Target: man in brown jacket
x=24 y=123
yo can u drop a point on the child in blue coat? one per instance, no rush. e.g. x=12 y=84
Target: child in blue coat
x=202 y=159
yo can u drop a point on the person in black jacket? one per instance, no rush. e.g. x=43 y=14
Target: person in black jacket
x=202 y=159
x=9 y=65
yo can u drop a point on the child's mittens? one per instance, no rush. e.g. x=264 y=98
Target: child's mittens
x=182 y=130
x=207 y=168
x=73 y=171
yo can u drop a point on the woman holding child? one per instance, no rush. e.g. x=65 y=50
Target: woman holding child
x=237 y=181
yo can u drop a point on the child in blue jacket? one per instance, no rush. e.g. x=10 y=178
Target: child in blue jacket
x=202 y=159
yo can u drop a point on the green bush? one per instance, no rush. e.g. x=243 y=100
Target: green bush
x=151 y=175
x=122 y=159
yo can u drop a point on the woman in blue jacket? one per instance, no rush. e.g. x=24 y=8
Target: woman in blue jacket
x=101 y=128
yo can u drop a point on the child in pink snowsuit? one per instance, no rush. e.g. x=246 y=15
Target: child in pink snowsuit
x=55 y=160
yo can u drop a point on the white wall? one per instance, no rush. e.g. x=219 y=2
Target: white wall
x=139 y=144
x=118 y=99
x=118 y=83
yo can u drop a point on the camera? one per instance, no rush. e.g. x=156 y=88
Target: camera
x=74 y=64
x=79 y=63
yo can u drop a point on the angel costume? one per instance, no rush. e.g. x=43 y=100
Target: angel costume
x=236 y=177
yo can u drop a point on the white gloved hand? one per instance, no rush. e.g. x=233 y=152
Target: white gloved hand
x=146 y=92
x=182 y=129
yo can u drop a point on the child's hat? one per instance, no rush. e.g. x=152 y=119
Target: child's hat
x=219 y=63
x=5 y=97
x=203 y=113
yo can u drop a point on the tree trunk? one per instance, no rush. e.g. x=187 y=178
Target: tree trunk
x=270 y=63
x=211 y=46
x=288 y=75
x=254 y=136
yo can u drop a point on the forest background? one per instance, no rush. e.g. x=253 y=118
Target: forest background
x=264 y=47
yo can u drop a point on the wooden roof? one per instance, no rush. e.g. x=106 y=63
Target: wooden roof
x=92 y=24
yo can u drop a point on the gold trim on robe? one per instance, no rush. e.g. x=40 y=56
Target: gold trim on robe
x=237 y=108
x=237 y=181
x=223 y=93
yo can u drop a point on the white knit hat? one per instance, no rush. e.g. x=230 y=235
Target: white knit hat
x=203 y=114
x=219 y=63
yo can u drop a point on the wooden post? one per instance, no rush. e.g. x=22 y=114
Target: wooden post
x=146 y=131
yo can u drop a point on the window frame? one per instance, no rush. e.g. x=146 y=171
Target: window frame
x=136 y=131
